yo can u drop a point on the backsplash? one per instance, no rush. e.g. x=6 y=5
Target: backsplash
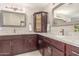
x=68 y=30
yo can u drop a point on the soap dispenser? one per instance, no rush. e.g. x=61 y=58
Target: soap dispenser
x=30 y=27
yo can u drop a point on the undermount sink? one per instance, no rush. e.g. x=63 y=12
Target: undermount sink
x=67 y=37
x=60 y=36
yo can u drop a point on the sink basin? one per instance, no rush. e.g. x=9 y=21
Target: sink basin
x=67 y=37
x=60 y=36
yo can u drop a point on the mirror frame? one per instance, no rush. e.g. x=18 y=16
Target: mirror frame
x=53 y=23
x=14 y=25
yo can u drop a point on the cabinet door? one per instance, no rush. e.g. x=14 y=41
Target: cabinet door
x=72 y=50
x=47 y=51
x=30 y=43
x=41 y=44
x=40 y=22
x=17 y=46
x=26 y=45
x=44 y=22
x=59 y=45
x=5 y=47
x=73 y=53
x=56 y=52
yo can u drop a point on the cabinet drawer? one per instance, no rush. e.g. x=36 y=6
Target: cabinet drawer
x=72 y=50
x=57 y=44
x=56 y=52
x=29 y=36
x=5 y=47
x=76 y=49
x=10 y=37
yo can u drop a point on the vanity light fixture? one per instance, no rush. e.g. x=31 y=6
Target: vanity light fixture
x=14 y=8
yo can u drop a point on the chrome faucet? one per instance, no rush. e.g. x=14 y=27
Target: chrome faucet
x=14 y=30
x=62 y=31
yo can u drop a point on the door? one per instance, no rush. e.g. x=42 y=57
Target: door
x=5 y=47
x=17 y=46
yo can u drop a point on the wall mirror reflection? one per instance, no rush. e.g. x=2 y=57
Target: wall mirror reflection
x=66 y=14
x=12 y=19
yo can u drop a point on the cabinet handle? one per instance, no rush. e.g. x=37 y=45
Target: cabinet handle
x=39 y=41
x=75 y=53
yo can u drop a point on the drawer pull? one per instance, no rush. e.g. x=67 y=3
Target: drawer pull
x=75 y=53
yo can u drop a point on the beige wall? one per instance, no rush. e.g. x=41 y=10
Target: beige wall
x=29 y=19
x=69 y=30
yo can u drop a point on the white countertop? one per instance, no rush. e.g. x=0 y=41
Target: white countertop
x=72 y=40
x=5 y=34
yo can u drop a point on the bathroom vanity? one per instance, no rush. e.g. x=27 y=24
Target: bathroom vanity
x=16 y=44
x=48 y=45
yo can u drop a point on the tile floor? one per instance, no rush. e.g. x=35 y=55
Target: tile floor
x=34 y=53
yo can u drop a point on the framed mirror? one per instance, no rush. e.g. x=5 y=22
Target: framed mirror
x=65 y=14
x=12 y=19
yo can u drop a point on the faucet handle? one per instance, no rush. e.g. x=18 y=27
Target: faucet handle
x=62 y=31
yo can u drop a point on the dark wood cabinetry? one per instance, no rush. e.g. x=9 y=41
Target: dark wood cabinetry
x=40 y=22
x=47 y=50
x=30 y=43
x=57 y=44
x=5 y=47
x=72 y=50
x=52 y=47
x=41 y=44
x=16 y=44
x=26 y=46
x=56 y=52
x=47 y=47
